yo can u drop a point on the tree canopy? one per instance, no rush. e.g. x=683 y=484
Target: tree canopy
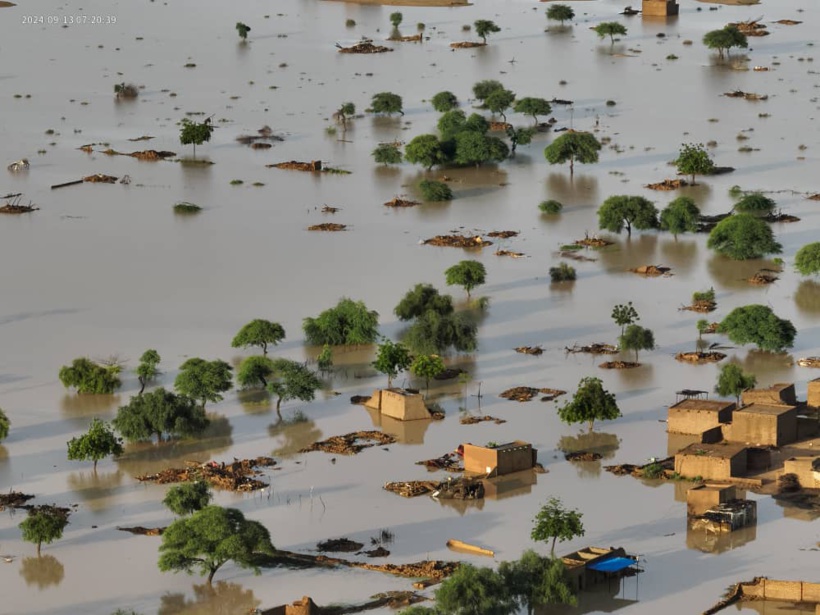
x=499 y=101
x=637 y=338
x=724 y=39
x=292 y=380
x=474 y=148
x=807 y=259
x=147 y=370
x=204 y=380
x=4 y=425
x=555 y=522
x=533 y=107
x=242 y=29
x=432 y=190
x=572 y=146
x=187 y=498
x=519 y=135
x=591 y=402
x=391 y=359
x=622 y=211
x=758 y=325
x=434 y=333
x=425 y=150
x=195 y=133
x=482 y=89
x=444 y=101
x=624 y=314
x=468 y=274
x=97 y=443
x=485 y=27
x=427 y=366
x=535 y=581
x=560 y=12
x=755 y=203
x=348 y=324
x=694 y=160
x=254 y=372
x=419 y=299
x=474 y=591
x=680 y=216
x=259 y=332
x=732 y=380
x=387 y=103
x=161 y=413
x=610 y=29
x=396 y=19
x=210 y=537
x=387 y=153
x=743 y=236
x=44 y=524
x=89 y=377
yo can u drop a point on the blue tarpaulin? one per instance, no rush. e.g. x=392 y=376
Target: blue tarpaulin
x=614 y=564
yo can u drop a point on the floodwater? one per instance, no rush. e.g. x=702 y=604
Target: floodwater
x=105 y=270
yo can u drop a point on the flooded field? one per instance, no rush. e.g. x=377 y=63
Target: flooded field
x=109 y=269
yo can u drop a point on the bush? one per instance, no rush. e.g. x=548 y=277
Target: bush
x=707 y=295
x=350 y=23
x=435 y=191
x=653 y=470
x=562 y=273
x=551 y=206
x=184 y=207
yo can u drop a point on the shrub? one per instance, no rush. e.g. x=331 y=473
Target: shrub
x=707 y=295
x=435 y=191
x=653 y=470
x=562 y=273
x=184 y=207
x=551 y=206
x=350 y=23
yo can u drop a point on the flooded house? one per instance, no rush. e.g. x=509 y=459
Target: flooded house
x=660 y=8
x=721 y=461
x=592 y=565
x=701 y=417
x=807 y=469
x=499 y=460
x=400 y=404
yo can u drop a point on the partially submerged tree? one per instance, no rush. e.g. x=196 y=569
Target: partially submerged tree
x=560 y=12
x=386 y=103
x=474 y=591
x=755 y=203
x=758 y=325
x=435 y=191
x=444 y=101
x=519 y=136
x=591 y=402
x=207 y=539
x=535 y=581
x=44 y=524
x=344 y=113
x=743 y=236
x=387 y=153
x=195 y=133
x=694 y=160
x=468 y=274
x=259 y=332
x=396 y=19
x=807 y=259
x=204 y=380
x=89 y=377
x=147 y=369
x=254 y=372
x=419 y=299
x=482 y=89
x=4 y=425
x=555 y=522
x=187 y=498
x=475 y=148
x=485 y=27
x=627 y=211
x=572 y=146
x=427 y=366
x=349 y=323
x=161 y=413
x=637 y=338
x=425 y=150
x=533 y=107
x=624 y=314
x=610 y=29
x=724 y=39
x=732 y=380
x=680 y=216
x=242 y=29
x=562 y=273
x=292 y=380
x=97 y=443
x=434 y=333
x=499 y=101
x=391 y=359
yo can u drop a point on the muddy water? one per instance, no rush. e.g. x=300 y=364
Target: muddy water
x=108 y=269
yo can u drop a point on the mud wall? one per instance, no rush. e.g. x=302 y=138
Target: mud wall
x=802 y=466
x=692 y=422
x=792 y=591
x=764 y=429
x=777 y=394
x=813 y=399
x=660 y=8
x=710 y=468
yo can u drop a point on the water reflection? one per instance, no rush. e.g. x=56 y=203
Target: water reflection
x=632 y=252
x=734 y=275
x=807 y=297
x=42 y=571
x=95 y=488
x=606 y=597
x=795 y=508
x=222 y=598
x=680 y=254
x=776 y=607
x=405 y=432
x=87 y=406
x=297 y=432
x=255 y=401
x=577 y=190
x=604 y=444
x=768 y=366
x=461 y=506
x=718 y=542
x=509 y=485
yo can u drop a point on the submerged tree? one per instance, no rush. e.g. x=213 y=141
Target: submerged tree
x=807 y=259
x=195 y=133
x=694 y=160
x=160 y=413
x=344 y=113
x=242 y=29
x=292 y=380
x=474 y=591
x=732 y=380
x=743 y=236
x=468 y=274
x=555 y=522
x=572 y=146
x=755 y=203
x=482 y=89
x=759 y=325
x=425 y=150
x=622 y=211
x=637 y=338
x=610 y=29
x=349 y=323
x=724 y=39
x=499 y=101
x=387 y=153
x=485 y=27
x=444 y=101
x=427 y=366
x=624 y=314
x=147 y=368
x=386 y=103
x=434 y=333
x=391 y=359
x=536 y=581
x=591 y=402
x=97 y=443
x=4 y=425
x=254 y=372
x=560 y=12
x=680 y=216
x=519 y=136
x=419 y=299
x=89 y=377
x=44 y=524
x=533 y=107
x=259 y=332
x=187 y=498
x=204 y=380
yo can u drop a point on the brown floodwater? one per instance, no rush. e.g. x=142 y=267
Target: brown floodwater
x=108 y=269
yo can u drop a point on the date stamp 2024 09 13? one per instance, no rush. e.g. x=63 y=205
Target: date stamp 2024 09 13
x=68 y=20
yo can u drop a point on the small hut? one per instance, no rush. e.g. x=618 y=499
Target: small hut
x=659 y=8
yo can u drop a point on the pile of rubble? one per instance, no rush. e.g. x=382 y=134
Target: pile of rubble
x=351 y=443
x=236 y=476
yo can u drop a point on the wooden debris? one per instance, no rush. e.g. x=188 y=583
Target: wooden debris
x=582 y=456
x=398 y=201
x=762 y=278
x=450 y=373
x=100 y=178
x=467 y=45
x=142 y=138
x=340 y=545
x=327 y=209
x=788 y=22
x=781 y=217
x=595 y=348
x=700 y=357
x=702 y=306
x=499 y=126
x=503 y=234
x=365 y=46
x=19 y=165
x=618 y=365
x=351 y=443
x=593 y=242
x=261 y=146
x=148 y=154
x=465 y=547
x=234 y=476
x=328 y=226
x=533 y=350
x=413 y=488
x=668 y=184
x=751 y=27
x=652 y=270
x=377 y=552
x=469 y=419
x=143 y=531
x=14 y=499
x=414 y=38
x=450 y=462
x=814 y=197
x=522 y=394
x=456 y=489
x=295 y=165
x=510 y=253
x=806 y=362
x=746 y=95
x=458 y=241
x=14 y=207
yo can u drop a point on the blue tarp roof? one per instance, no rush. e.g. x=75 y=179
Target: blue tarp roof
x=614 y=564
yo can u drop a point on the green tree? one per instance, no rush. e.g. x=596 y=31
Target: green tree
x=560 y=12
x=755 y=203
x=533 y=106
x=387 y=103
x=473 y=148
x=694 y=160
x=499 y=101
x=551 y=206
x=427 y=366
x=702 y=325
x=187 y=498
x=344 y=113
x=535 y=581
x=562 y=273
x=391 y=359
x=680 y=216
x=758 y=325
x=207 y=539
x=4 y=425
x=444 y=101
x=242 y=30
x=161 y=413
x=624 y=314
x=743 y=236
x=425 y=150
x=807 y=259
x=97 y=443
x=292 y=380
x=519 y=136
x=468 y=274
x=452 y=122
x=350 y=323
x=147 y=368
x=89 y=377
x=44 y=524
x=724 y=39
x=419 y=299
x=474 y=591
x=195 y=133
x=204 y=380
x=732 y=380
x=259 y=332
x=435 y=191
x=572 y=146
x=434 y=333
x=482 y=89
x=396 y=19
x=254 y=371
x=627 y=211
x=485 y=27
x=387 y=153
x=610 y=29
x=591 y=402
x=637 y=338
x=555 y=522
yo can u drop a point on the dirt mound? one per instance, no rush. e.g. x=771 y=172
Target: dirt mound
x=595 y=348
x=503 y=234
x=522 y=394
x=751 y=28
x=499 y=126
x=295 y=165
x=510 y=253
x=415 y=38
x=788 y=22
x=363 y=47
x=582 y=456
x=652 y=270
x=400 y=202
x=99 y=178
x=458 y=241
x=340 y=545
x=700 y=357
x=472 y=420
x=619 y=365
x=703 y=306
x=623 y=469
x=236 y=476
x=143 y=531
x=533 y=350
x=351 y=443
x=592 y=242
x=261 y=146
x=450 y=462
x=16 y=208
x=14 y=499
x=668 y=184
x=466 y=45
x=762 y=278
x=328 y=226
x=814 y=197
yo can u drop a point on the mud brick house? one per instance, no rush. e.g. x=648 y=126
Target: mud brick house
x=401 y=404
x=698 y=416
x=659 y=8
x=305 y=606
x=764 y=425
x=807 y=470
x=778 y=395
x=721 y=462
x=701 y=498
x=813 y=397
x=592 y=565
x=499 y=460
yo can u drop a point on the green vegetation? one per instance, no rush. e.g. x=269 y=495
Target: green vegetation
x=622 y=211
x=732 y=380
x=591 y=402
x=434 y=333
x=325 y=359
x=475 y=148
x=680 y=216
x=485 y=27
x=535 y=581
x=187 y=498
x=204 y=380
x=743 y=236
x=444 y=101
x=705 y=296
x=624 y=314
x=550 y=206
x=637 y=338
x=344 y=113
x=427 y=366
x=694 y=160
x=610 y=29
x=161 y=413
x=195 y=133
x=391 y=359
x=5 y=424
x=386 y=103
x=259 y=332
x=572 y=146
x=97 y=443
x=292 y=380
x=350 y=323
x=555 y=522
x=147 y=369
x=756 y=204
x=560 y=12
x=387 y=153
x=421 y=298
x=533 y=107
x=242 y=30
x=254 y=372
x=807 y=259
x=89 y=377
x=724 y=39
x=499 y=101
x=396 y=19
x=482 y=89
x=468 y=274
x=184 y=208
x=44 y=524
x=433 y=190
x=474 y=591
x=758 y=324
x=519 y=136
x=562 y=273
x=425 y=150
